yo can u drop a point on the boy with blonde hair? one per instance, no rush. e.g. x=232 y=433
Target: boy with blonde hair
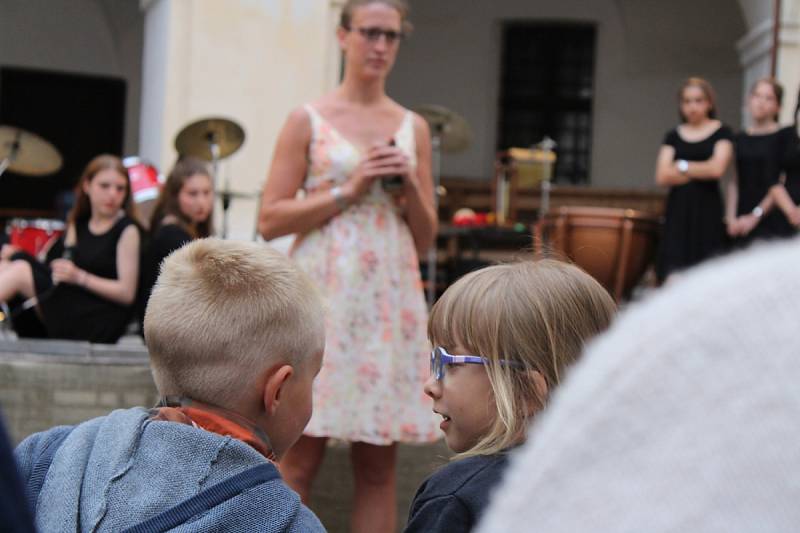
x=235 y=333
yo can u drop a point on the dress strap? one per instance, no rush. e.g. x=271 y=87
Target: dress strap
x=314 y=117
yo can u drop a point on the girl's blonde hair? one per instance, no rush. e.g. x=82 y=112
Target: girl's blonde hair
x=538 y=314
x=777 y=91
x=708 y=92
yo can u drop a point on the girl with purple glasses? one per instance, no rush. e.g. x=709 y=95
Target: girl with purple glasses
x=503 y=338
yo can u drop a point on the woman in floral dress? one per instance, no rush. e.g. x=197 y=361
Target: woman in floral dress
x=365 y=214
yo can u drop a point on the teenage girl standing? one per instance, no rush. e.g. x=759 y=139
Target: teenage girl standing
x=691 y=161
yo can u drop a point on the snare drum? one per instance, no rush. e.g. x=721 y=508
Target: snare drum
x=145 y=186
x=34 y=235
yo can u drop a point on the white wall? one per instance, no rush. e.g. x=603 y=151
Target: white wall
x=645 y=48
x=248 y=60
x=100 y=37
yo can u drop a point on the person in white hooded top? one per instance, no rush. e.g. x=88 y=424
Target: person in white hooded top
x=683 y=417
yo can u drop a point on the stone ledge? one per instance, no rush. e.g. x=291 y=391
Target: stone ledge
x=72 y=352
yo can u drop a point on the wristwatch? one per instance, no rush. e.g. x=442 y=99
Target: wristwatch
x=683 y=166
x=757 y=211
x=339 y=198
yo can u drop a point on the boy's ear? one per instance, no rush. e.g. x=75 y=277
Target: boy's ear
x=274 y=386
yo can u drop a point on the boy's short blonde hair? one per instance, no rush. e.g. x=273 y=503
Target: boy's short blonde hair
x=538 y=314
x=223 y=311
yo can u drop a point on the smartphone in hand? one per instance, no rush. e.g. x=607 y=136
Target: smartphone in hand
x=392 y=184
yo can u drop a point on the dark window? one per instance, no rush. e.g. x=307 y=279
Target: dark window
x=81 y=115
x=547 y=80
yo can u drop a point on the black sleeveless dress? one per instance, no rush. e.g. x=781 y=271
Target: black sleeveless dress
x=788 y=164
x=757 y=170
x=166 y=239
x=693 y=225
x=72 y=312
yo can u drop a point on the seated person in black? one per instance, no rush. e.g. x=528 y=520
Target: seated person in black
x=183 y=213
x=87 y=289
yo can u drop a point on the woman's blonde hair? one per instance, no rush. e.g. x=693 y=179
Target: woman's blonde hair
x=401 y=6
x=538 y=314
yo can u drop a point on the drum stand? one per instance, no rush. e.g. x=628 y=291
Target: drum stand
x=213 y=147
x=12 y=154
x=5 y=322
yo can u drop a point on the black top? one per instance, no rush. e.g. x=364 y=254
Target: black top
x=788 y=164
x=166 y=239
x=454 y=497
x=755 y=168
x=693 y=226
x=72 y=312
x=757 y=159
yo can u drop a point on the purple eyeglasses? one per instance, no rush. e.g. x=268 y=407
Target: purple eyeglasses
x=440 y=358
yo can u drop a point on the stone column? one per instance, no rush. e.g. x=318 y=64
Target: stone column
x=788 y=68
x=756 y=46
x=252 y=61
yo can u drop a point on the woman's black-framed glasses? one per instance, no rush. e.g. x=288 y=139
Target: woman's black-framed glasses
x=373 y=35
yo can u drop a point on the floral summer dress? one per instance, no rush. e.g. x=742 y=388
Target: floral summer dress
x=365 y=263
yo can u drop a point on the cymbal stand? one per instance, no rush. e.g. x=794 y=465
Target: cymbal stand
x=12 y=155
x=436 y=164
x=226 y=198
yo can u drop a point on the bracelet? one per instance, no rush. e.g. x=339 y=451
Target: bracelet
x=758 y=211
x=339 y=198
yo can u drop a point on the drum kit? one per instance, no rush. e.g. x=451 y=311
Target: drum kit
x=26 y=153
x=210 y=139
x=213 y=139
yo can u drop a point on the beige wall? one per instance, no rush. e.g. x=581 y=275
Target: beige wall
x=252 y=61
x=645 y=48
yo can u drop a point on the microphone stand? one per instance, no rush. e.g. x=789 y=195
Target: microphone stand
x=226 y=196
x=436 y=144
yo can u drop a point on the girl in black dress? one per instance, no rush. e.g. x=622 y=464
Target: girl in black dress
x=757 y=155
x=786 y=220
x=183 y=213
x=87 y=289
x=691 y=161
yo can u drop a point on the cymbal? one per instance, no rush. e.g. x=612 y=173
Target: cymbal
x=196 y=138
x=27 y=152
x=453 y=129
